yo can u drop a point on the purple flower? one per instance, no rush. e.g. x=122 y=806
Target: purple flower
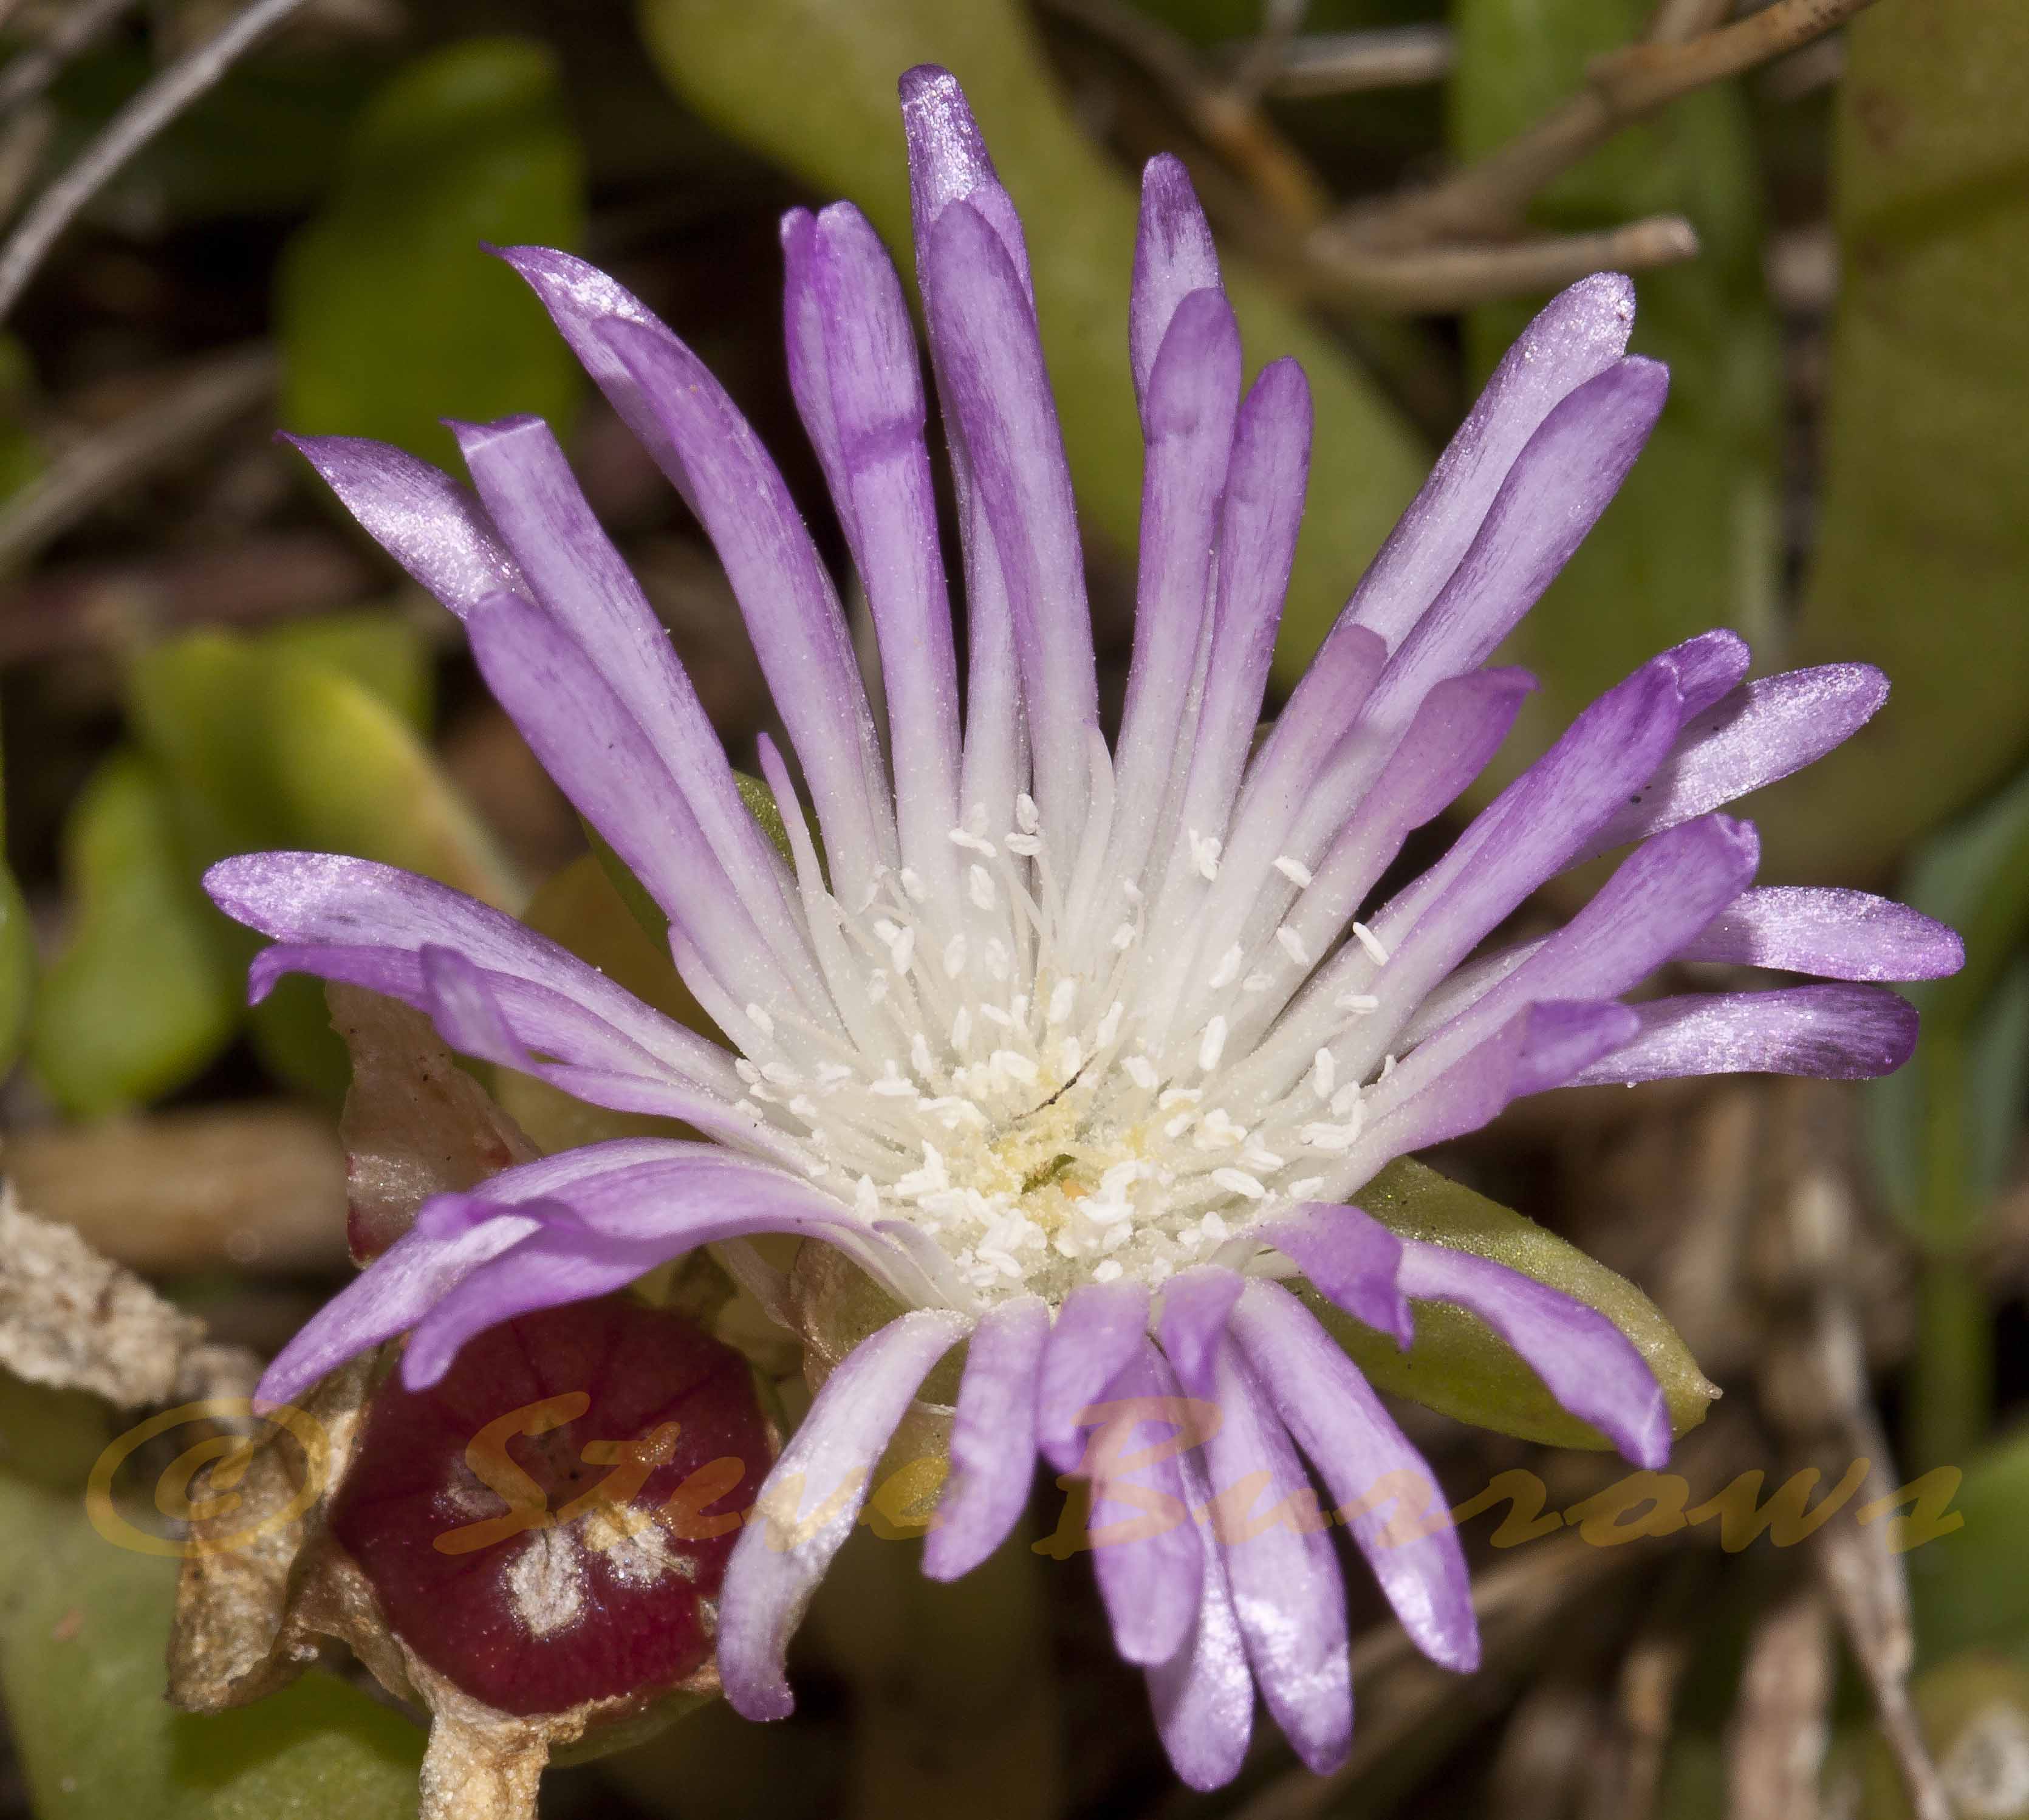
x=1076 y=1049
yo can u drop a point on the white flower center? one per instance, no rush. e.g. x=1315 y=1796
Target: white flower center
x=1036 y=1088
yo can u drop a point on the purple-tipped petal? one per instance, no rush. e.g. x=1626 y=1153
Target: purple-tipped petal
x=1837 y=935
x=1666 y=891
x=1352 y=1259
x=1006 y=416
x=1146 y=1552
x=1586 y=1362
x=1457 y=730
x=1195 y=1305
x=1099 y=1328
x=948 y=163
x=1203 y=1696
x=1174 y=256
x=313 y=900
x=1287 y=1592
x=1394 y=1509
x=1709 y=667
x=1580 y=334
x=578 y=577
x=396 y=1290
x=597 y=750
x=1565 y=477
x=785 y=596
x=993 y=1438
x=581 y=300
x=875 y=393
x=1192 y=398
x=1833 y=1033
x=1259 y=517
x=811 y=1500
x=418 y=514
x=1762 y=731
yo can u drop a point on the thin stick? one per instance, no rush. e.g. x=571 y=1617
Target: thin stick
x=1280 y=21
x=1225 y=120
x=210 y=395
x=24 y=139
x=1435 y=278
x=1328 y=63
x=1489 y=196
x=124 y=135
x=28 y=73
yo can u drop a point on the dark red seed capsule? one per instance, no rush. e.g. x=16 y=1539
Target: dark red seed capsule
x=549 y=1524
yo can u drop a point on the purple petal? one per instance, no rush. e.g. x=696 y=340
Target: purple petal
x=1362 y=1457
x=1708 y=668
x=1146 y=1553
x=993 y=1438
x=1834 y=1032
x=464 y=1009
x=581 y=300
x=948 y=163
x=712 y=455
x=1174 y=256
x=320 y=899
x=1665 y=892
x=401 y=1286
x=453 y=1235
x=1259 y=518
x=1204 y=1695
x=1837 y=935
x=1762 y=731
x=1351 y=1257
x=811 y=1500
x=1457 y=730
x=1586 y=1362
x=576 y=573
x=1565 y=477
x=1193 y=397
x=875 y=390
x=1579 y=334
x=1287 y=1592
x=418 y=514
x=595 y=748
x=1099 y=1328
x=1195 y=1305
x=1004 y=415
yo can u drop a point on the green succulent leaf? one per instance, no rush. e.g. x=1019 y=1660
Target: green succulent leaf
x=1967 y=1589
x=1691 y=541
x=390 y=317
x=1458 y=1366
x=306 y=740
x=83 y=1632
x=810 y=83
x=1946 y=1123
x=1924 y=543
x=145 y=993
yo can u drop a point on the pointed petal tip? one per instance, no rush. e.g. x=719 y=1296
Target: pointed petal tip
x=925 y=79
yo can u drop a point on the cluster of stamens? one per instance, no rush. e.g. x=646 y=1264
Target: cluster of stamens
x=1032 y=1087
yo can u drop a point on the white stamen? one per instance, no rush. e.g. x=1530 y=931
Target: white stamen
x=1294 y=870
x=761 y=1020
x=1291 y=944
x=979 y=887
x=1239 y=1182
x=1027 y=818
x=1372 y=943
x=1324 y=1071
x=1228 y=970
x=1212 y=1045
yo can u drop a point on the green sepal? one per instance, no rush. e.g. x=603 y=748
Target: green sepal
x=1458 y=1366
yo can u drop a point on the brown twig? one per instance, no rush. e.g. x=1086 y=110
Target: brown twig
x=208 y=396
x=1489 y=196
x=254 y=581
x=1437 y=278
x=28 y=73
x=23 y=141
x=1225 y=118
x=1329 y=63
x=1255 y=59
x=1775 y=1747
x=171 y=91
x=1814 y=1390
